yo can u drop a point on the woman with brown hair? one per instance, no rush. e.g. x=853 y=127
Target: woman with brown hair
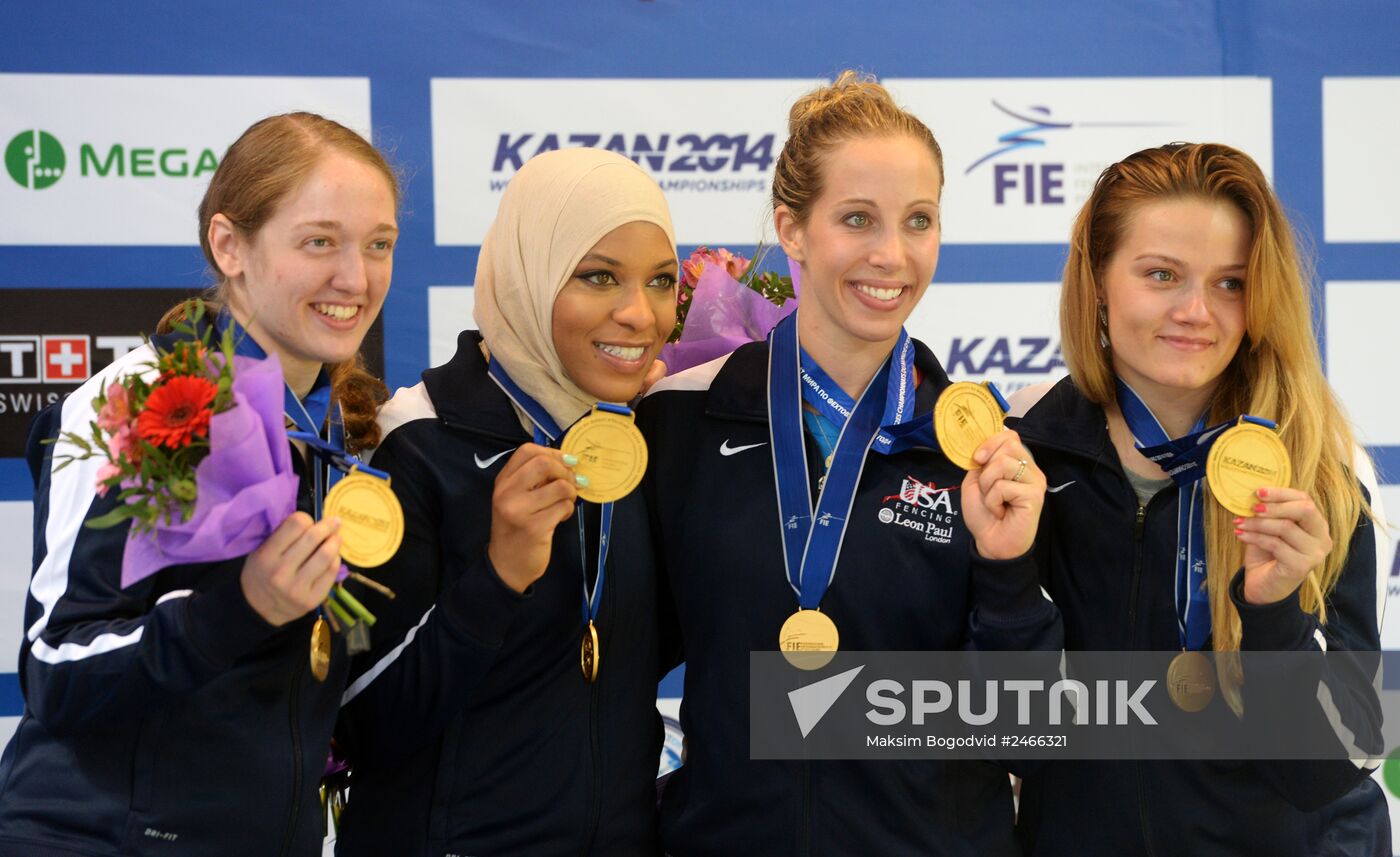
x=180 y=712
x=744 y=444
x=1185 y=305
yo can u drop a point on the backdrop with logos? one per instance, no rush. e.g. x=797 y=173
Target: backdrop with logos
x=112 y=119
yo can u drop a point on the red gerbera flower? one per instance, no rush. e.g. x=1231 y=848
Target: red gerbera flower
x=177 y=411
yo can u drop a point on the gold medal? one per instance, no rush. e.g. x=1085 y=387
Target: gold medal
x=1191 y=681
x=966 y=415
x=371 y=519
x=320 y=649
x=611 y=453
x=1245 y=458
x=809 y=639
x=590 y=656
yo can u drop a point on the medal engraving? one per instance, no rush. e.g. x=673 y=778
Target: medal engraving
x=590 y=655
x=1191 y=681
x=965 y=415
x=611 y=452
x=371 y=519
x=320 y=649
x=1245 y=458
x=809 y=639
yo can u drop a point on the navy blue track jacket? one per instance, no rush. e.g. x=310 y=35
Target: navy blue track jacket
x=469 y=723
x=1111 y=571
x=712 y=494
x=167 y=718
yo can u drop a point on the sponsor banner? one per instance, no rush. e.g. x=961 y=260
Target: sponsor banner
x=51 y=340
x=1389 y=562
x=17 y=531
x=1022 y=154
x=134 y=153
x=1359 y=120
x=1362 y=353
x=449 y=313
x=710 y=144
x=1007 y=333
x=810 y=704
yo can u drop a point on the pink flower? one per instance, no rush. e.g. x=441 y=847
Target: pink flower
x=116 y=413
x=733 y=264
x=693 y=267
x=119 y=444
x=105 y=472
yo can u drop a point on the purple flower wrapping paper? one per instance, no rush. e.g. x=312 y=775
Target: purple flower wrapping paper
x=246 y=485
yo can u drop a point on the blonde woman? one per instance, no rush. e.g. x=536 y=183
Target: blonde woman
x=856 y=204
x=1185 y=306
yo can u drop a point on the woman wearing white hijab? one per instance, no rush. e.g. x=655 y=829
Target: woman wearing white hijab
x=473 y=725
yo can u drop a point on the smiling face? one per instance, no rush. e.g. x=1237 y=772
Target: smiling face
x=309 y=283
x=869 y=245
x=614 y=314
x=1174 y=294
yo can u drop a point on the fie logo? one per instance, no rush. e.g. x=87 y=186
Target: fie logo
x=35 y=159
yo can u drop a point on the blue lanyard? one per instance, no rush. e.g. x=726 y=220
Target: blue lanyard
x=1184 y=460
x=312 y=415
x=335 y=456
x=898 y=428
x=546 y=433
x=810 y=552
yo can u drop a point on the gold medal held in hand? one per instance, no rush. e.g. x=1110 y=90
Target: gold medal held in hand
x=371 y=519
x=320 y=649
x=611 y=453
x=809 y=639
x=1245 y=458
x=590 y=655
x=1191 y=681
x=964 y=417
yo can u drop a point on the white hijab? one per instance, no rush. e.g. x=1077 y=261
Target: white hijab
x=553 y=211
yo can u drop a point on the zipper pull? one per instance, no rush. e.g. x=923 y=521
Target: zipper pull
x=1141 y=519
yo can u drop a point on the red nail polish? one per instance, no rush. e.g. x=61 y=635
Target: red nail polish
x=1238 y=531
x=1263 y=492
x=1260 y=508
x=1239 y=521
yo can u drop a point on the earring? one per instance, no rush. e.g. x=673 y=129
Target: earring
x=1103 y=326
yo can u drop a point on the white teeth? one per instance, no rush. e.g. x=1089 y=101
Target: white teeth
x=633 y=353
x=878 y=294
x=336 y=311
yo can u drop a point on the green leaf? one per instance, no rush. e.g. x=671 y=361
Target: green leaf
x=112 y=518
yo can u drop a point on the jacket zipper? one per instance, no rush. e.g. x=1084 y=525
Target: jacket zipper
x=1139 y=530
x=595 y=809
x=295 y=721
x=1139 y=527
x=806 y=844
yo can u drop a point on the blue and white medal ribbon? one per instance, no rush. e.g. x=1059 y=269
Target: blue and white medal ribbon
x=1184 y=460
x=810 y=552
x=898 y=430
x=547 y=433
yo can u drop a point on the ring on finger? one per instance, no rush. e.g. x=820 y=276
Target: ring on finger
x=1020 y=470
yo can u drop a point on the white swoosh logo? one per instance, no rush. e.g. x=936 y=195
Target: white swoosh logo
x=726 y=449
x=1058 y=488
x=492 y=460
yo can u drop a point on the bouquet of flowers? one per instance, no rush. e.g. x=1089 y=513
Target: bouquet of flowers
x=724 y=301
x=196 y=445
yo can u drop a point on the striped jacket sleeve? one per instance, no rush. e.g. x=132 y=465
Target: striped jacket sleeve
x=1336 y=690
x=95 y=655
